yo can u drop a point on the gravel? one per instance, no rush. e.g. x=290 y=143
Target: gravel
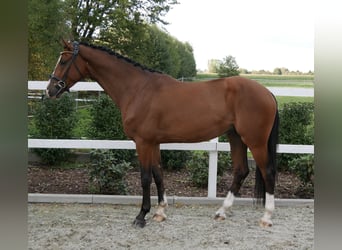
x=103 y=226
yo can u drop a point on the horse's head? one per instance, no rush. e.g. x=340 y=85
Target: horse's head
x=70 y=68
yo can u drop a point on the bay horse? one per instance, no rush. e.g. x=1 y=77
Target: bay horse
x=157 y=108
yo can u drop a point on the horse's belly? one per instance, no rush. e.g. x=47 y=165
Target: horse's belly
x=193 y=130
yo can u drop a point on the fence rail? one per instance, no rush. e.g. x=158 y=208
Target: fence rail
x=94 y=86
x=129 y=144
x=213 y=146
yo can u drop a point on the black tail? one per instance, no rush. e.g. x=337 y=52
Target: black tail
x=272 y=164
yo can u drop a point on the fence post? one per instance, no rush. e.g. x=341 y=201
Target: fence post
x=212 y=177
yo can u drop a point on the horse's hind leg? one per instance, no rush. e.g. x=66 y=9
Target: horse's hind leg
x=240 y=170
x=265 y=183
x=162 y=200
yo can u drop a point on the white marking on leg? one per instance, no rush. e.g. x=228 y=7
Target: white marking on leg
x=269 y=204
x=160 y=213
x=269 y=208
x=164 y=203
x=227 y=203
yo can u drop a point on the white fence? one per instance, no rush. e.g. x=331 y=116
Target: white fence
x=93 y=86
x=212 y=146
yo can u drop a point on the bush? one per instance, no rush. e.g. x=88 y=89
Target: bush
x=174 y=159
x=303 y=167
x=224 y=161
x=296 y=119
x=106 y=124
x=198 y=166
x=107 y=172
x=54 y=119
x=296 y=127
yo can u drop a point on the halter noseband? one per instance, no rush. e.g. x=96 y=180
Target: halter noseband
x=61 y=85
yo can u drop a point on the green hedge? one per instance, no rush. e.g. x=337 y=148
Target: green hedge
x=296 y=123
x=107 y=173
x=54 y=119
x=297 y=127
x=106 y=124
x=175 y=159
x=198 y=166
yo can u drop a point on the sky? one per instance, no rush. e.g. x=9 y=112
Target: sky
x=261 y=34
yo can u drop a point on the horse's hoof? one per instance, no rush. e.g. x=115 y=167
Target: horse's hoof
x=139 y=223
x=219 y=217
x=265 y=223
x=159 y=217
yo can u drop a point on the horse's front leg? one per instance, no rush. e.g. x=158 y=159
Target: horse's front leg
x=162 y=200
x=148 y=158
x=146 y=179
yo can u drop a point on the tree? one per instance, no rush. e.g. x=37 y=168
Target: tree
x=187 y=60
x=45 y=28
x=89 y=18
x=160 y=51
x=228 y=67
x=125 y=26
x=277 y=71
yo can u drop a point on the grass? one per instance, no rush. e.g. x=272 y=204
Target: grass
x=280 y=77
x=306 y=81
x=84 y=119
x=287 y=99
x=206 y=76
x=303 y=81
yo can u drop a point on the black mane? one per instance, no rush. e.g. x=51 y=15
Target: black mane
x=119 y=56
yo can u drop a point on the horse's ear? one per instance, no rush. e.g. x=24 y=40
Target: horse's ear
x=65 y=44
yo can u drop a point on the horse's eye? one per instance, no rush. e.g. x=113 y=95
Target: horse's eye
x=62 y=62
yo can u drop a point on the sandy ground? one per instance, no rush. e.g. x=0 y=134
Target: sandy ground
x=84 y=226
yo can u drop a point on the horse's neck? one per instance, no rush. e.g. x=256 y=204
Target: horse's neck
x=121 y=80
